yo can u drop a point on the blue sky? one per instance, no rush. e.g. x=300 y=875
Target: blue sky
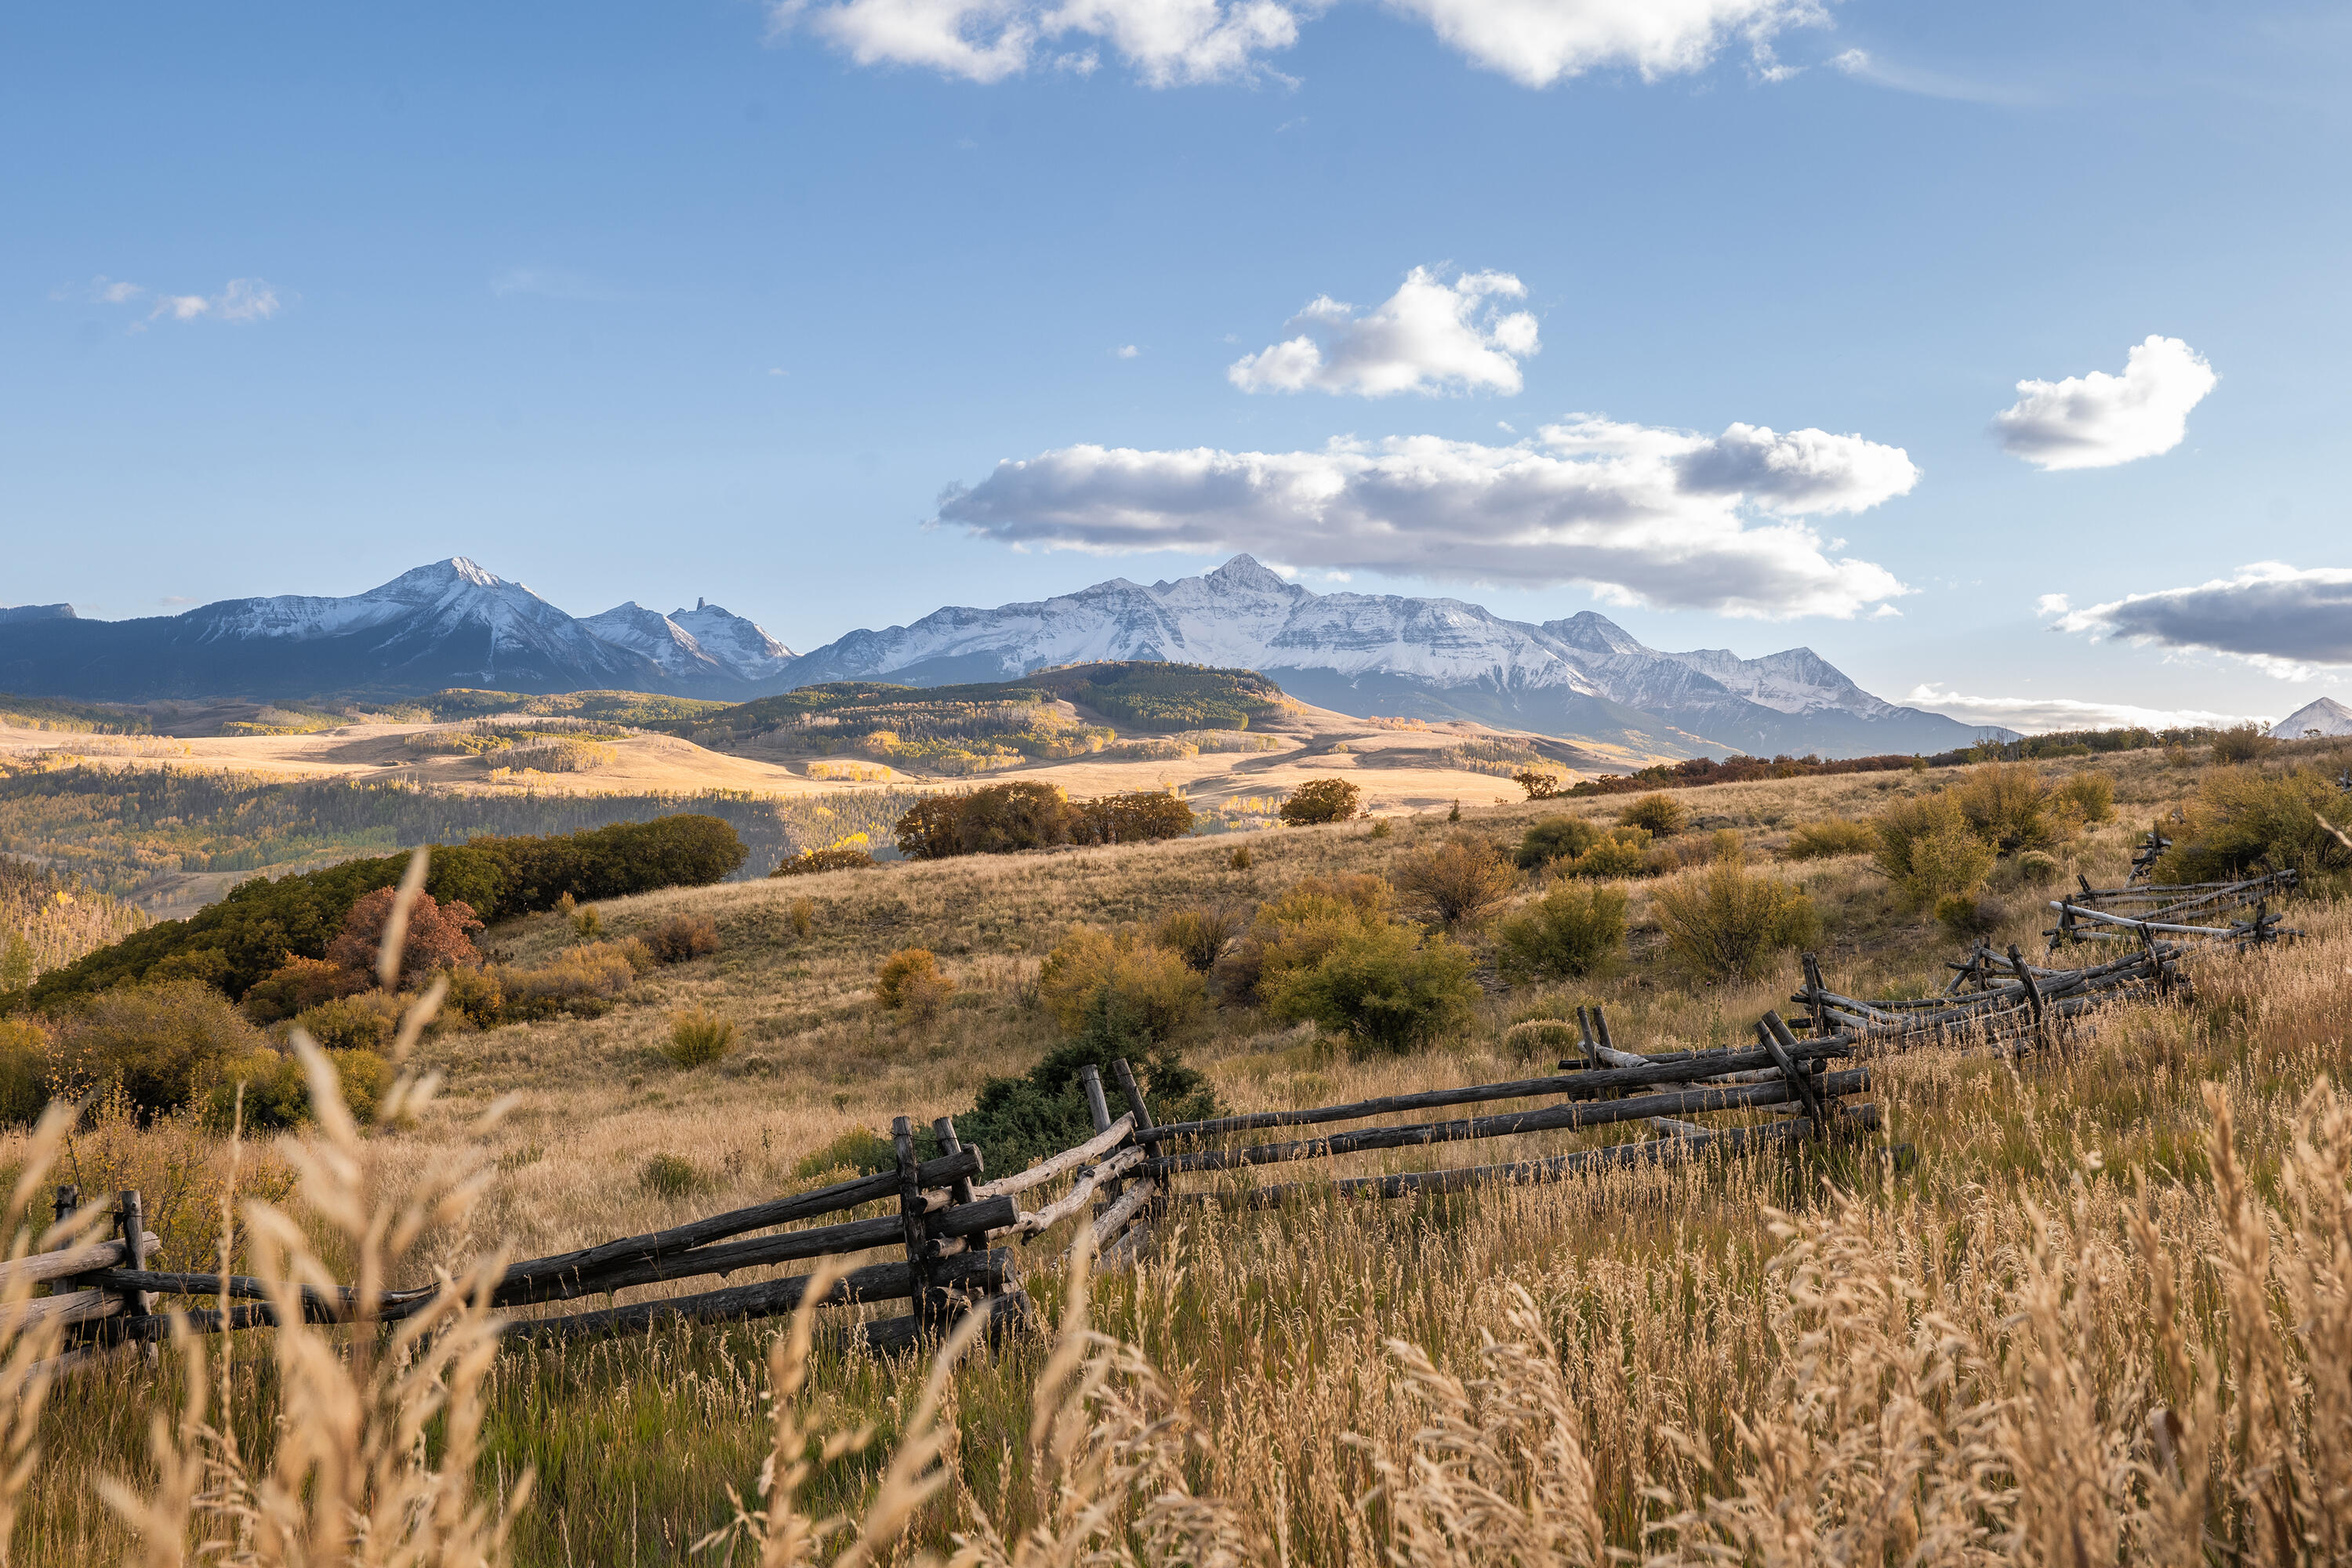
x=717 y=300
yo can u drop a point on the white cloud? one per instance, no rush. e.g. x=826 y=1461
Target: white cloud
x=1641 y=515
x=2038 y=715
x=1169 y=42
x=1430 y=336
x=2049 y=604
x=2284 y=621
x=2098 y=420
x=1538 y=42
x=1128 y=350
x=242 y=299
x=1174 y=42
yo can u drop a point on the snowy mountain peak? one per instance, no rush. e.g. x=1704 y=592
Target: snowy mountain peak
x=2325 y=714
x=1243 y=573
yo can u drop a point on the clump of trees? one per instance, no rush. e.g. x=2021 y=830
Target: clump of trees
x=248 y=935
x=1025 y=814
x=1320 y=800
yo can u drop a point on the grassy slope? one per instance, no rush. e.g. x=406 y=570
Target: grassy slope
x=1272 y=1328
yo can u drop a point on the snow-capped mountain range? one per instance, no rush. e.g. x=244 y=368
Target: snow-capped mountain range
x=454 y=624
x=1584 y=676
x=448 y=624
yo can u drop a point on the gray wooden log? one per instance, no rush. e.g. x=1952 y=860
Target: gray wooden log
x=773 y=1297
x=1099 y=1112
x=951 y=1230
x=1558 y=1168
x=1690 y=1067
x=1090 y=1178
x=1544 y=1119
x=1044 y=1171
x=831 y=1199
x=65 y=1262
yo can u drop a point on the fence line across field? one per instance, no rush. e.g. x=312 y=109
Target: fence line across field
x=1807 y=1073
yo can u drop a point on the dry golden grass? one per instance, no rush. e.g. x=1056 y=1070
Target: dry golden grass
x=2102 y=1317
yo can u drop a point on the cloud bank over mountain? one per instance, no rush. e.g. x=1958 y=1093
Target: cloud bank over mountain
x=2098 y=420
x=2284 y=620
x=1177 y=43
x=1430 y=337
x=2040 y=715
x=1642 y=515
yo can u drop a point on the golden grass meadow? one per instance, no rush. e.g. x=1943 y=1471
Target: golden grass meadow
x=2095 y=1309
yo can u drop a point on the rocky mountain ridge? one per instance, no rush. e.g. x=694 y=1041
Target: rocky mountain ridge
x=1583 y=677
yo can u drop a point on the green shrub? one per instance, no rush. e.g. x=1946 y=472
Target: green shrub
x=1240 y=858
x=1144 y=816
x=1153 y=989
x=1625 y=852
x=840 y=858
x=1727 y=923
x=1017 y=1121
x=365 y=1022
x=476 y=997
x=1572 y=930
x=1662 y=815
x=155 y=1043
x=1928 y=847
x=277 y=1092
x=1968 y=916
x=671 y=1176
x=2243 y=742
x=698 y=1037
x=860 y=1149
x=682 y=938
x=909 y=981
x=24 y=1070
x=2090 y=796
x=2012 y=808
x=1381 y=988
x=1200 y=935
x=1554 y=839
x=1299 y=927
x=2241 y=819
x=581 y=979
x=1320 y=800
x=1380 y=830
x=297 y=985
x=2037 y=868
x=1829 y=838
x=1462 y=883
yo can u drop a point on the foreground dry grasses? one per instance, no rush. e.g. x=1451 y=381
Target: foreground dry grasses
x=2104 y=1317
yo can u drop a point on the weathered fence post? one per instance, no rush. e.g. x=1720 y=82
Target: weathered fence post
x=2032 y=993
x=1814 y=990
x=131 y=1217
x=1800 y=1085
x=1143 y=1122
x=911 y=1209
x=1098 y=1110
x=960 y=1193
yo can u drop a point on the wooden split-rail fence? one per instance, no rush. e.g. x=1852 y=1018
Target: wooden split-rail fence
x=1805 y=1073
x=2139 y=913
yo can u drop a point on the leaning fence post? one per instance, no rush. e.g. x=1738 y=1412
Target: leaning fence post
x=1801 y=1087
x=1813 y=1004
x=2033 y=993
x=910 y=1223
x=1137 y=1108
x=1098 y=1110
